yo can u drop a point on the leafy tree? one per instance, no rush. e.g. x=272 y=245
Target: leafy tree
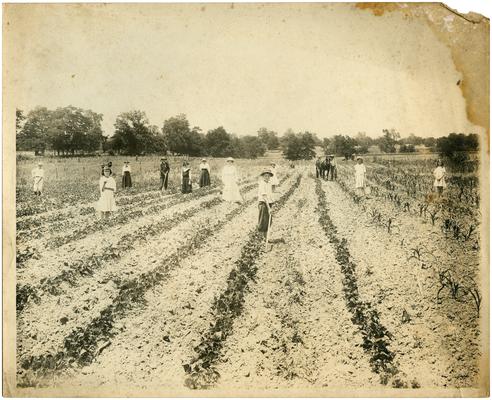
x=19 y=120
x=35 y=132
x=363 y=142
x=268 y=138
x=455 y=146
x=387 y=143
x=176 y=130
x=74 y=129
x=65 y=130
x=218 y=142
x=196 y=142
x=133 y=134
x=252 y=147
x=298 y=146
x=341 y=145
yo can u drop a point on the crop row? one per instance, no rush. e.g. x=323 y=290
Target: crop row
x=84 y=344
x=455 y=280
x=24 y=253
x=376 y=338
x=456 y=222
x=228 y=306
x=42 y=220
x=86 y=266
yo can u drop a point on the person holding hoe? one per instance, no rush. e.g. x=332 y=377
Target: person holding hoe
x=265 y=202
x=164 y=170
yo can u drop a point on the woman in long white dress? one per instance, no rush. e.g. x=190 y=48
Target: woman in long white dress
x=107 y=188
x=230 y=179
x=360 y=175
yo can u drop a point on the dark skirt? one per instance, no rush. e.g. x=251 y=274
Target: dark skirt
x=127 y=180
x=186 y=186
x=204 y=178
x=263 y=216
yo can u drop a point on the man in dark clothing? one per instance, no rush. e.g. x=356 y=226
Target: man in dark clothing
x=164 y=173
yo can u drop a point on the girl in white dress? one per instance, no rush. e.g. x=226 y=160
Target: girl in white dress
x=107 y=186
x=360 y=176
x=230 y=179
x=439 y=181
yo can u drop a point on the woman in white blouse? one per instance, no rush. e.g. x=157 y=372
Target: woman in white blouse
x=127 y=177
x=204 y=173
x=360 y=175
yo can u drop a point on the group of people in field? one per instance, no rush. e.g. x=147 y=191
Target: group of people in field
x=327 y=168
x=267 y=185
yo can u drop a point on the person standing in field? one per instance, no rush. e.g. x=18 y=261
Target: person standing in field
x=38 y=179
x=186 y=178
x=127 y=177
x=204 y=173
x=274 y=179
x=333 y=167
x=265 y=201
x=360 y=175
x=107 y=187
x=230 y=179
x=164 y=171
x=439 y=175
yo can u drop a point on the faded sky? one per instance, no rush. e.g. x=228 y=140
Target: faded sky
x=329 y=70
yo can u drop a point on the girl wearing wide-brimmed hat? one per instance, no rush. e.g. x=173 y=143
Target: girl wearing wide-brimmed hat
x=360 y=175
x=265 y=200
x=230 y=179
x=204 y=173
x=186 y=178
x=107 y=188
x=126 y=175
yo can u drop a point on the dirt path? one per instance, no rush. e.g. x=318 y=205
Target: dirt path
x=295 y=330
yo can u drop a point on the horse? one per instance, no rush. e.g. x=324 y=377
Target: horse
x=323 y=168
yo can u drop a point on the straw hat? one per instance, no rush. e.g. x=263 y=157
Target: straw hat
x=358 y=158
x=266 y=171
x=230 y=159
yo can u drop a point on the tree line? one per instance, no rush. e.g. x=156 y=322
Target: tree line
x=71 y=130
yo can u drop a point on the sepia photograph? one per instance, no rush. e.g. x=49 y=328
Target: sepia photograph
x=246 y=200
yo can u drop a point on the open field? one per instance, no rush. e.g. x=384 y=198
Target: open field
x=180 y=291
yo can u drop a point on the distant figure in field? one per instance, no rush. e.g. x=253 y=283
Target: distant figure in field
x=38 y=179
x=164 y=171
x=230 y=179
x=127 y=177
x=265 y=201
x=274 y=179
x=204 y=173
x=360 y=175
x=186 y=178
x=439 y=175
x=107 y=186
x=333 y=167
